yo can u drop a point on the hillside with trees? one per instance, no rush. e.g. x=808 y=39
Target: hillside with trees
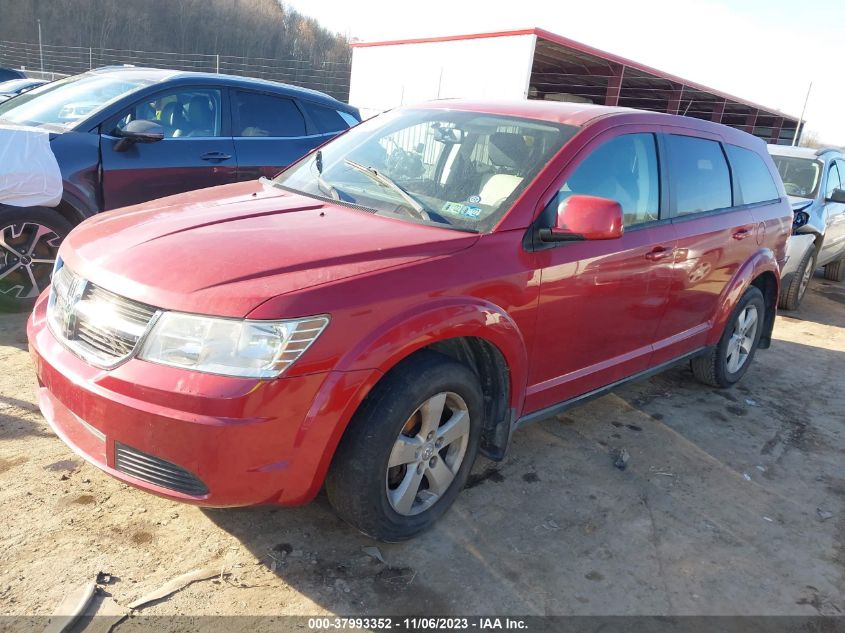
x=257 y=37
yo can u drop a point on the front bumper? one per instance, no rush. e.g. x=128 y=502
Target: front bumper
x=193 y=437
x=797 y=246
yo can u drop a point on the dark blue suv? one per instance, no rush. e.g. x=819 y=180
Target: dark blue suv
x=124 y=135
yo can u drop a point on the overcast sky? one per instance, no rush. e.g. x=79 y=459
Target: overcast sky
x=765 y=51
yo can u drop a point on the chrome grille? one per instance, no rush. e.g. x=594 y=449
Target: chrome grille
x=99 y=325
x=157 y=471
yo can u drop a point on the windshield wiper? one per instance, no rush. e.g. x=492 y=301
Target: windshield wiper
x=380 y=178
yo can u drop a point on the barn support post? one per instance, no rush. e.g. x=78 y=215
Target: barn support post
x=614 y=86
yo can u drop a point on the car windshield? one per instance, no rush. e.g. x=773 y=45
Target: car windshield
x=461 y=170
x=800 y=175
x=64 y=103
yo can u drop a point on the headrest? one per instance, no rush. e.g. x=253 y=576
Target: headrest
x=507 y=149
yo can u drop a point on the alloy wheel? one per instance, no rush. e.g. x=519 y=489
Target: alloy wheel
x=428 y=453
x=27 y=255
x=742 y=338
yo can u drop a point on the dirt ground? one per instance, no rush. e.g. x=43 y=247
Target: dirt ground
x=732 y=503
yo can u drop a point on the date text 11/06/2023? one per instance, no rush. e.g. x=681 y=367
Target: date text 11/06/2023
x=417 y=623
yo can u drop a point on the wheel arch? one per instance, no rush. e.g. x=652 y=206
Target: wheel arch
x=70 y=212
x=762 y=271
x=470 y=330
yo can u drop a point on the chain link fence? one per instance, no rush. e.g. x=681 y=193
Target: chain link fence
x=51 y=62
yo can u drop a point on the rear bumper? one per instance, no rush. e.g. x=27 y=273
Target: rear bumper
x=192 y=437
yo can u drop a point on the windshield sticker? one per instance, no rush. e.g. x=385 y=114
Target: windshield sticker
x=474 y=199
x=464 y=210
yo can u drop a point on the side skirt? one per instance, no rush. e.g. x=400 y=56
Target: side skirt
x=560 y=407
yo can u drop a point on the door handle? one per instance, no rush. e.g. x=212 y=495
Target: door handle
x=741 y=234
x=658 y=253
x=215 y=156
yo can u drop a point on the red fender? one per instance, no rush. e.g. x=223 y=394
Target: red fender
x=762 y=261
x=385 y=345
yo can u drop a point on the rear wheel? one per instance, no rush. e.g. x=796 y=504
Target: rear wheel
x=408 y=451
x=835 y=271
x=791 y=295
x=29 y=242
x=727 y=362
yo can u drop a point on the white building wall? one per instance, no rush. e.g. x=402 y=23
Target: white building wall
x=387 y=76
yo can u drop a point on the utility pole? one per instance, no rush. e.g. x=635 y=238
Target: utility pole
x=40 y=48
x=796 y=139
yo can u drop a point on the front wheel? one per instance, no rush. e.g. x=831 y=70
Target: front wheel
x=408 y=451
x=29 y=242
x=792 y=294
x=727 y=362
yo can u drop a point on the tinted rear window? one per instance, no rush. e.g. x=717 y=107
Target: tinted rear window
x=751 y=174
x=258 y=114
x=700 y=177
x=326 y=119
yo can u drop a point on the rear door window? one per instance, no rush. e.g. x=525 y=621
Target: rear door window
x=752 y=176
x=259 y=114
x=700 y=177
x=326 y=119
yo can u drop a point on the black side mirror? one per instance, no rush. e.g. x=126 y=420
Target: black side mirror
x=838 y=195
x=138 y=131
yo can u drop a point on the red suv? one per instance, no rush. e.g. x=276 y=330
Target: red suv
x=404 y=297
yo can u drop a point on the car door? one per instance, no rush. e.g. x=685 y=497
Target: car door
x=833 y=246
x=197 y=150
x=270 y=133
x=715 y=238
x=601 y=301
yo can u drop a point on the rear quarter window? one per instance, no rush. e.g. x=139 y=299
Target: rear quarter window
x=700 y=179
x=326 y=119
x=751 y=175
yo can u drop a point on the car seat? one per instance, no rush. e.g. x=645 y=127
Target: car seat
x=508 y=153
x=199 y=118
x=172 y=117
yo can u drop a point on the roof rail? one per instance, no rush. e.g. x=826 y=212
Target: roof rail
x=825 y=150
x=109 y=67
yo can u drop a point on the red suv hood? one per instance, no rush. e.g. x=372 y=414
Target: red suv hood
x=226 y=250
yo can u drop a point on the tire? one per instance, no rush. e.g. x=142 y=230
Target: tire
x=835 y=271
x=365 y=490
x=718 y=367
x=791 y=295
x=29 y=242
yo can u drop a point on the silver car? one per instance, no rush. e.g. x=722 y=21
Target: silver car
x=815 y=183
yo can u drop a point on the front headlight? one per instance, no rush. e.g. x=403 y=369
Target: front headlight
x=232 y=347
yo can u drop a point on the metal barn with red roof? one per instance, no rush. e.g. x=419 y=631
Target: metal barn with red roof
x=536 y=64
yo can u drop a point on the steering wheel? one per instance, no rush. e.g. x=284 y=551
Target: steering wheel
x=792 y=189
